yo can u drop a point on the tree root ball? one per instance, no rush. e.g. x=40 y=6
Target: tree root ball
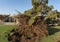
x=26 y=33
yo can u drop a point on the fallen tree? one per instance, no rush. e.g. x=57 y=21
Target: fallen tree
x=32 y=26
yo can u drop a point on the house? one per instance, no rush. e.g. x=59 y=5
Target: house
x=7 y=19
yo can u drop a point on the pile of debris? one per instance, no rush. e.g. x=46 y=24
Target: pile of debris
x=26 y=33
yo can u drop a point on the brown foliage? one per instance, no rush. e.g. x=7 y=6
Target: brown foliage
x=26 y=33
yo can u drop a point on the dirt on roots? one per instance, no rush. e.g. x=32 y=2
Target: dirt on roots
x=26 y=33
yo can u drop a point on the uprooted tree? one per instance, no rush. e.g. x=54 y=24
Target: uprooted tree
x=32 y=26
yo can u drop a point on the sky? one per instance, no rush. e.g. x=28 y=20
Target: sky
x=9 y=6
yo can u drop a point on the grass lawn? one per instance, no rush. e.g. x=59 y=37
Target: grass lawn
x=54 y=35
x=53 y=31
x=4 y=29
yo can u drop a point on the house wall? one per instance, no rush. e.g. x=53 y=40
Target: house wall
x=1 y=22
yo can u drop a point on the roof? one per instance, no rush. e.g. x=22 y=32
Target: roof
x=3 y=16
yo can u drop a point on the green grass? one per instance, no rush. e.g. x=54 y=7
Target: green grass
x=4 y=29
x=53 y=31
x=55 y=35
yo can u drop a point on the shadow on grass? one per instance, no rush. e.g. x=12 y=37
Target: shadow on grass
x=52 y=31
